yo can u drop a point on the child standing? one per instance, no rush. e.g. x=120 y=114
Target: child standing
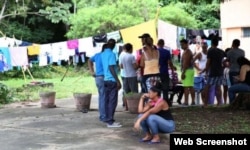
x=226 y=79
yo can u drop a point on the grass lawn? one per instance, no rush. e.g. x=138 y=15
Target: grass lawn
x=211 y=120
x=63 y=89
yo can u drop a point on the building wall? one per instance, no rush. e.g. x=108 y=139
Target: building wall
x=229 y=34
x=235 y=14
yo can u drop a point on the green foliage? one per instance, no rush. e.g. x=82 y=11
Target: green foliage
x=177 y=16
x=46 y=72
x=120 y=14
x=5 y=94
x=57 y=12
x=207 y=15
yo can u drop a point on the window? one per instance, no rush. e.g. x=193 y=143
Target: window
x=246 y=32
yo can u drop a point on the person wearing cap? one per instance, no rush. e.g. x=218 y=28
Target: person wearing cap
x=112 y=84
x=138 y=59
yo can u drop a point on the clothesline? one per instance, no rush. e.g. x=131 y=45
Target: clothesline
x=17 y=53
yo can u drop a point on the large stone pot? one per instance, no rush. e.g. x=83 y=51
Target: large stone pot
x=47 y=99
x=133 y=102
x=82 y=101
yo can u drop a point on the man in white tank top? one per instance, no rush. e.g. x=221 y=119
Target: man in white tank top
x=200 y=59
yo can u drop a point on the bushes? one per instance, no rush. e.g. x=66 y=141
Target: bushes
x=5 y=94
x=46 y=72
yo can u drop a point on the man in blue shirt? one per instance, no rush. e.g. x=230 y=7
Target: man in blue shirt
x=111 y=83
x=164 y=61
x=98 y=74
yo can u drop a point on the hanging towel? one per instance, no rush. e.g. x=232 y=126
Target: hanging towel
x=131 y=34
x=5 y=60
x=45 y=54
x=96 y=49
x=115 y=35
x=72 y=44
x=34 y=49
x=85 y=44
x=4 y=42
x=168 y=33
x=19 y=56
x=60 y=51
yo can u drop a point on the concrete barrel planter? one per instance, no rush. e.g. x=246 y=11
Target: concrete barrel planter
x=47 y=99
x=133 y=102
x=82 y=101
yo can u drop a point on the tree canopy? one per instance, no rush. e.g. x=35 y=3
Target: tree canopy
x=55 y=20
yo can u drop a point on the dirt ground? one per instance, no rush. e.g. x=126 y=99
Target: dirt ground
x=197 y=120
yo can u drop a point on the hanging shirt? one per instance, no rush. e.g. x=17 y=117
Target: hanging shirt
x=4 y=42
x=60 y=51
x=85 y=44
x=5 y=61
x=34 y=49
x=19 y=56
x=114 y=35
x=72 y=44
x=45 y=53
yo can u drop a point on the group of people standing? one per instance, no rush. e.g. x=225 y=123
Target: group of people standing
x=219 y=68
x=154 y=71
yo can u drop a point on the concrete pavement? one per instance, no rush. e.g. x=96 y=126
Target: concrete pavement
x=26 y=126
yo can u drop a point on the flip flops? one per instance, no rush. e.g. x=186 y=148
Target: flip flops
x=144 y=141
x=154 y=142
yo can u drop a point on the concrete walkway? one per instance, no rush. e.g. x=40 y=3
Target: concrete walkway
x=26 y=126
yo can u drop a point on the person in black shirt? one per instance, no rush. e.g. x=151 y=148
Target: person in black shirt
x=214 y=71
x=243 y=79
x=155 y=116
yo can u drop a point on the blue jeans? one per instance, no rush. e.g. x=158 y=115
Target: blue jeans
x=111 y=99
x=156 y=124
x=236 y=88
x=231 y=77
x=99 y=80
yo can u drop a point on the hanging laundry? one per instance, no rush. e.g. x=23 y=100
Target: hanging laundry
x=9 y=42
x=168 y=33
x=115 y=35
x=131 y=34
x=34 y=49
x=60 y=52
x=85 y=44
x=78 y=57
x=96 y=49
x=181 y=34
x=19 y=56
x=45 y=54
x=72 y=44
x=24 y=43
x=4 y=42
x=5 y=60
x=102 y=38
x=117 y=49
